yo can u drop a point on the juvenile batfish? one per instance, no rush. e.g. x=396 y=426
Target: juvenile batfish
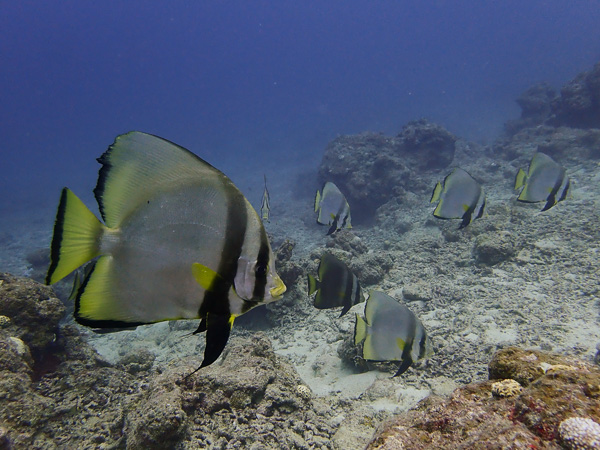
x=265 y=206
x=337 y=285
x=460 y=197
x=545 y=181
x=179 y=241
x=391 y=332
x=332 y=208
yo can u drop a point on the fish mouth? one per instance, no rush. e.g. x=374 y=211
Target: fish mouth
x=278 y=290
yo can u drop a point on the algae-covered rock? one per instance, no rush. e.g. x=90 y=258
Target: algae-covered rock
x=371 y=169
x=528 y=418
x=247 y=398
x=33 y=310
x=494 y=248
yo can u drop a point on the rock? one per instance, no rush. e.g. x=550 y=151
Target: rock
x=579 y=102
x=472 y=417
x=579 y=433
x=494 y=248
x=371 y=169
x=428 y=146
x=535 y=105
x=33 y=310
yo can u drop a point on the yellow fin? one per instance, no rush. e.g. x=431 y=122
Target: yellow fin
x=317 y=200
x=97 y=302
x=400 y=343
x=520 y=179
x=205 y=276
x=437 y=192
x=76 y=238
x=360 y=330
x=465 y=207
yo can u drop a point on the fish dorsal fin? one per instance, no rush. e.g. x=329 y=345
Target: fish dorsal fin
x=137 y=166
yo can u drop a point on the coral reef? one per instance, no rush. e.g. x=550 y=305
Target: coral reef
x=371 y=169
x=528 y=418
x=579 y=433
x=577 y=105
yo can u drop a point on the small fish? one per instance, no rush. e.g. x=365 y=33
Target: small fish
x=391 y=332
x=265 y=207
x=178 y=241
x=332 y=208
x=545 y=181
x=337 y=285
x=460 y=197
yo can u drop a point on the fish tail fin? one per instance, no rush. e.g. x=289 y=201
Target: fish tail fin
x=520 y=179
x=437 y=191
x=317 y=200
x=76 y=237
x=313 y=284
x=360 y=330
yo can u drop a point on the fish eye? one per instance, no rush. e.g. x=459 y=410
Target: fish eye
x=261 y=269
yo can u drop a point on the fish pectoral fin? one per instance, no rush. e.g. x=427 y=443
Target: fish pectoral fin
x=400 y=343
x=218 y=328
x=206 y=277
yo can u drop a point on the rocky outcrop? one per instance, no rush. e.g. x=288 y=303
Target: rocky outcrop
x=370 y=169
x=577 y=105
x=480 y=415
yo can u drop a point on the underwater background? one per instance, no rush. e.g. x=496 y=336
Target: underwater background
x=263 y=84
x=384 y=98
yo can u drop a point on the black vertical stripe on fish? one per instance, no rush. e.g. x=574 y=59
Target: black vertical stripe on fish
x=480 y=213
x=565 y=191
x=215 y=310
x=423 y=344
x=216 y=299
x=552 y=197
x=466 y=218
x=57 y=235
x=262 y=267
x=347 y=294
x=406 y=351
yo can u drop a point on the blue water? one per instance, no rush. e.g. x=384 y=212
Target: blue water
x=255 y=84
